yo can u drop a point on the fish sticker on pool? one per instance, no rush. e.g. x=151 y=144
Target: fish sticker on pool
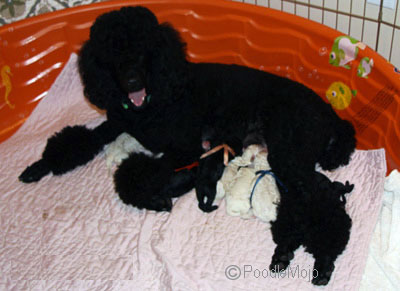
x=340 y=95
x=365 y=67
x=344 y=50
x=6 y=81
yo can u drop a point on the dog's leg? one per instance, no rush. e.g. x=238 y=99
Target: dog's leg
x=326 y=247
x=287 y=234
x=281 y=258
x=323 y=269
x=68 y=149
x=287 y=242
x=327 y=235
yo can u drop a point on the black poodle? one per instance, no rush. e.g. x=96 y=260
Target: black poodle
x=136 y=69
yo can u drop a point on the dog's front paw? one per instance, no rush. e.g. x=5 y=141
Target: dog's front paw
x=34 y=172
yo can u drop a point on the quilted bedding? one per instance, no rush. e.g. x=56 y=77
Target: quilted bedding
x=73 y=233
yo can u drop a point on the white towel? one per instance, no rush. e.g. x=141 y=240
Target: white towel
x=382 y=271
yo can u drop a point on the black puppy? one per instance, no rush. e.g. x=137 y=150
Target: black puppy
x=315 y=218
x=211 y=168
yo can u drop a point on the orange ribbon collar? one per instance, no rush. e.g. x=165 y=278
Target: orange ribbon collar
x=227 y=150
x=188 y=167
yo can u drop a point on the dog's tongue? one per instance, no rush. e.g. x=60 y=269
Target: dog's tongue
x=137 y=97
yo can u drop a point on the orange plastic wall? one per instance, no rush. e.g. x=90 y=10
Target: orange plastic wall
x=34 y=51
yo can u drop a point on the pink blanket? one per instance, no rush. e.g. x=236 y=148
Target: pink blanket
x=73 y=233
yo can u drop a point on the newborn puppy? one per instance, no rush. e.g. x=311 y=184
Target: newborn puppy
x=266 y=193
x=238 y=188
x=230 y=172
x=252 y=191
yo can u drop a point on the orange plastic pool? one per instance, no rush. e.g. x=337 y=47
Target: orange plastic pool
x=362 y=86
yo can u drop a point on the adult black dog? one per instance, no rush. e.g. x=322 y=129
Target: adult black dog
x=136 y=69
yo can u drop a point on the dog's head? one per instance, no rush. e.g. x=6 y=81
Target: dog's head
x=131 y=60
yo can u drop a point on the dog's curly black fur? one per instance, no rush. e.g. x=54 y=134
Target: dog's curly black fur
x=136 y=69
x=316 y=219
x=130 y=177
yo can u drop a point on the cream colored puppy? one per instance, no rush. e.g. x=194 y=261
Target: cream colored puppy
x=240 y=180
x=266 y=193
x=230 y=172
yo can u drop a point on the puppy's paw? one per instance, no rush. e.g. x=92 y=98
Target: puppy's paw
x=237 y=206
x=207 y=208
x=206 y=197
x=34 y=172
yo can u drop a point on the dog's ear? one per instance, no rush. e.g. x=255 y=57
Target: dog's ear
x=99 y=85
x=169 y=70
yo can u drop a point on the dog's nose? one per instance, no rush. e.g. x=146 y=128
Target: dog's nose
x=133 y=84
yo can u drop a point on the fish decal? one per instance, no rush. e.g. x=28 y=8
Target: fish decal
x=6 y=81
x=365 y=67
x=340 y=95
x=344 y=50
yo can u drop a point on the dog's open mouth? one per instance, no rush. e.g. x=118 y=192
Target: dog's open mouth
x=138 y=97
